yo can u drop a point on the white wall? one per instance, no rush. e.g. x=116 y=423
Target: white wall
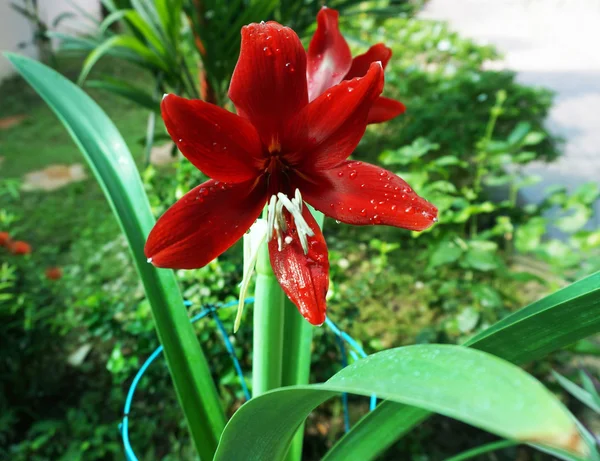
x=14 y=28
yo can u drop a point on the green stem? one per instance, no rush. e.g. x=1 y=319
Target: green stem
x=469 y=454
x=268 y=327
x=298 y=334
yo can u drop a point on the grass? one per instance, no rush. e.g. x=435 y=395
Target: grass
x=53 y=221
x=41 y=140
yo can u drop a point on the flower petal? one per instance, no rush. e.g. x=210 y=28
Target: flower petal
x=268 y=85
x=222 y=145
x=362 y=194
x=329 y=57
x=303 y=277
x=361 y=63
x=326 y=132
x=204 y=223
x=385 y=109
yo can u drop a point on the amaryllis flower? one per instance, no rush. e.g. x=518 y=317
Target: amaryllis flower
x=19 y=247
x=4 y=239
x=330 y=61
x=53 y=273
x=282 y=151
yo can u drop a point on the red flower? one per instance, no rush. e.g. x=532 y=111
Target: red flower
x=278 y=146
x=54 y=273
x=330 y=62
x=4 y=239
x=20 y=247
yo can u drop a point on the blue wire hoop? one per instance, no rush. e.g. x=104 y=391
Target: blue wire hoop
x=356 y=352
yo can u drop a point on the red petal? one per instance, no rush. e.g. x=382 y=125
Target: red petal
x=222 y=145
x=204 y=223
x=361 y=194
x=361 y=63
x=329 y=57
x=303 y=277
x=326 y=132
x=268 y=85
x=385 y=109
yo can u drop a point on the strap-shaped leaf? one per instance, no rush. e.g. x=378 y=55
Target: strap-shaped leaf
x=465 y=384
x=107 y=155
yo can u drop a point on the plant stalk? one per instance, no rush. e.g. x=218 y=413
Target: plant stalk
x=298 y=335
x=267 y=357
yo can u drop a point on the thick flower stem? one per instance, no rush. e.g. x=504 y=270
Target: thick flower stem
x=268 y=327
x=298 y=334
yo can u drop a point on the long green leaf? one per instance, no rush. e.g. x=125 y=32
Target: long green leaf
x=530 y=333
x=131 y=92
x=136 y=50
x=114 y=168
x=466 y=384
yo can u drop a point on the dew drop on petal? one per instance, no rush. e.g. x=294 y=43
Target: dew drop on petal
x=353 y=174
x=408 y=210
x=290 y=68
x=362 y=186
x=338 y=222
x=267 y=50
x=340 y=173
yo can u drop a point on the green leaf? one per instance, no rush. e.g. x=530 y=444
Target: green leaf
x=547 y=325
x=446 y=252
x=135 y=50
x=481 y=256
x=465 y=384
x=103 y=147
x=518 y=134
x=126 y=90
x=579 y=393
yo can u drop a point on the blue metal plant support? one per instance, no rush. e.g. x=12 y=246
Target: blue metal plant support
x=342 y=338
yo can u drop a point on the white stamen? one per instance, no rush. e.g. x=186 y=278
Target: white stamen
x=276 y=223
x=252 y=242
x=271 y=216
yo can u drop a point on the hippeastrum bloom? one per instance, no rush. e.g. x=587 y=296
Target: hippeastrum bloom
x=330 y=62
x=4 y=239
x=281 y=151
x=19 y=247
x=53 y=273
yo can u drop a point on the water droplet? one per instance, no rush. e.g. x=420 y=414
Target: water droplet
x=338 y=222
x=340 y=173
x=267 y=51
x=362 y=186
x=350 y=89
x=408 y=210
x=363 y=212
x=290 y=68
x=180 y=139
x=372 y=201
x=331 y=205
x=353 y=174
x=394 y=207
x=383 y=174
x=328 y=95
x=381 y=202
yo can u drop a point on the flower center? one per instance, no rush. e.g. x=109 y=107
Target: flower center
x=277 y=225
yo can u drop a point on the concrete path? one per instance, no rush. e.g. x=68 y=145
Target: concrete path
x=551 y=43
